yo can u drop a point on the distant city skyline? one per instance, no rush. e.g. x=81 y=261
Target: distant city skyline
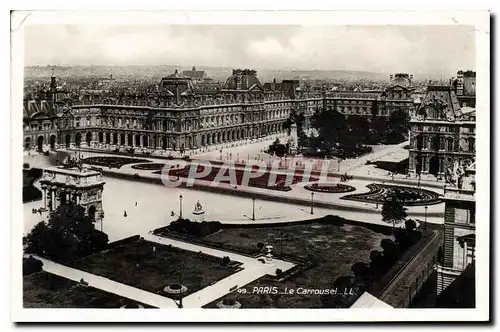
x=419 y=50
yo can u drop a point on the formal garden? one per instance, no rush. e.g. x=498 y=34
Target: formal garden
x=409 y=196
x=332 y=253
x=329 y=188
x=112 y=161
x=149 y=166
x=45 y=290
x=260 y=182
x=156 y=268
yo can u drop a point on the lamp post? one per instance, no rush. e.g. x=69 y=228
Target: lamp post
x=312 y=203
x=180 y=206
x=253 y=208
x=425 y=217
x=418 y=183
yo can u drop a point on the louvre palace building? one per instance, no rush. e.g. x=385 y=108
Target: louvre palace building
x=442 y=129
x=189 y=110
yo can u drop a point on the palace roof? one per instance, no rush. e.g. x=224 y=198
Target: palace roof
x=32 y=108
x=242 y=79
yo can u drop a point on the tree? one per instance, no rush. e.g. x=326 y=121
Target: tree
x=330 y=125
x=398 y=126
x=260 y=245
x=226 y=260
x=68 y=234
x=360 y=127
x=31 y=265
x=378 y=128
x=393 y=211
x=410 y=225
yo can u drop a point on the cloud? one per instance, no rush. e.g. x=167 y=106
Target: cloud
x=414 y=49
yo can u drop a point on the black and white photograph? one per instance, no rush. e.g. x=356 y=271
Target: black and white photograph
x=195 y=165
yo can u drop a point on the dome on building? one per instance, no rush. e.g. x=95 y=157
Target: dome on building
x=403 y=80
x=242 y=79
x=175 y=75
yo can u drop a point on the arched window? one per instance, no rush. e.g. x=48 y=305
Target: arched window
x=449 y=144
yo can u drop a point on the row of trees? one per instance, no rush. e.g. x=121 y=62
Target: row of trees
x=346 y=136
x=67 y=235
x=352 y=286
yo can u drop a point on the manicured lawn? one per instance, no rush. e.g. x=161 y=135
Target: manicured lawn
x=46 y=290
x=135 y=264
x=334 y=248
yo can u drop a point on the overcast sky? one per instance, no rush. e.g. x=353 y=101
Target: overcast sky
x=386 y=49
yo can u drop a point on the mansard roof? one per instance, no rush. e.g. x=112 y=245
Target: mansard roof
x=243 y=79
x=443 y=99
x=36 y=108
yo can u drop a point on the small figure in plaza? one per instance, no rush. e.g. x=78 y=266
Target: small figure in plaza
x=125 y=213
x=135 y=203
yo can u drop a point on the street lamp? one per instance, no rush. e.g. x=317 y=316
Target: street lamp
x=253 y=208
x=425 y=217
x=180 y=206
x=312 y=203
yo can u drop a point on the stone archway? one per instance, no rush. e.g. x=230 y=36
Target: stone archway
x=108 y=138
x=52 y=141
x=101 y=137
x=88 y=138
x=39 y=143
x=27 y=143
x=434 y=165
x=218 y=137
x=91 y=212
x=145 y=141
x=203 y=140
x=115 y=138
x=67 y=140
x=164 y=142
x=62 y=198
x=78 y=139
x=122 y=139
x=130 y=140
x=137 y=140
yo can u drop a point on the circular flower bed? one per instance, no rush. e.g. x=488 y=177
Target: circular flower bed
x=149 y=166
x=228 y=304
x=175 y=289
x=410 y=196
x=112 y=162
x=330 y=188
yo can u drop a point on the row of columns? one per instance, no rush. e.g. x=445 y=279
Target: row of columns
x=425 y=163
x=53 y=195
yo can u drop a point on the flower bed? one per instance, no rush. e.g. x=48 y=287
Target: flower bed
x=149 y=166
x=260 y=182
x=330 y=188
x=112 y=162
x=411 y=196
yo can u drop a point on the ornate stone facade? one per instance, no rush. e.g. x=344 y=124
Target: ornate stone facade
x=442 y=135
x=77 y=185
x=459 y=229
x=182 y=113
